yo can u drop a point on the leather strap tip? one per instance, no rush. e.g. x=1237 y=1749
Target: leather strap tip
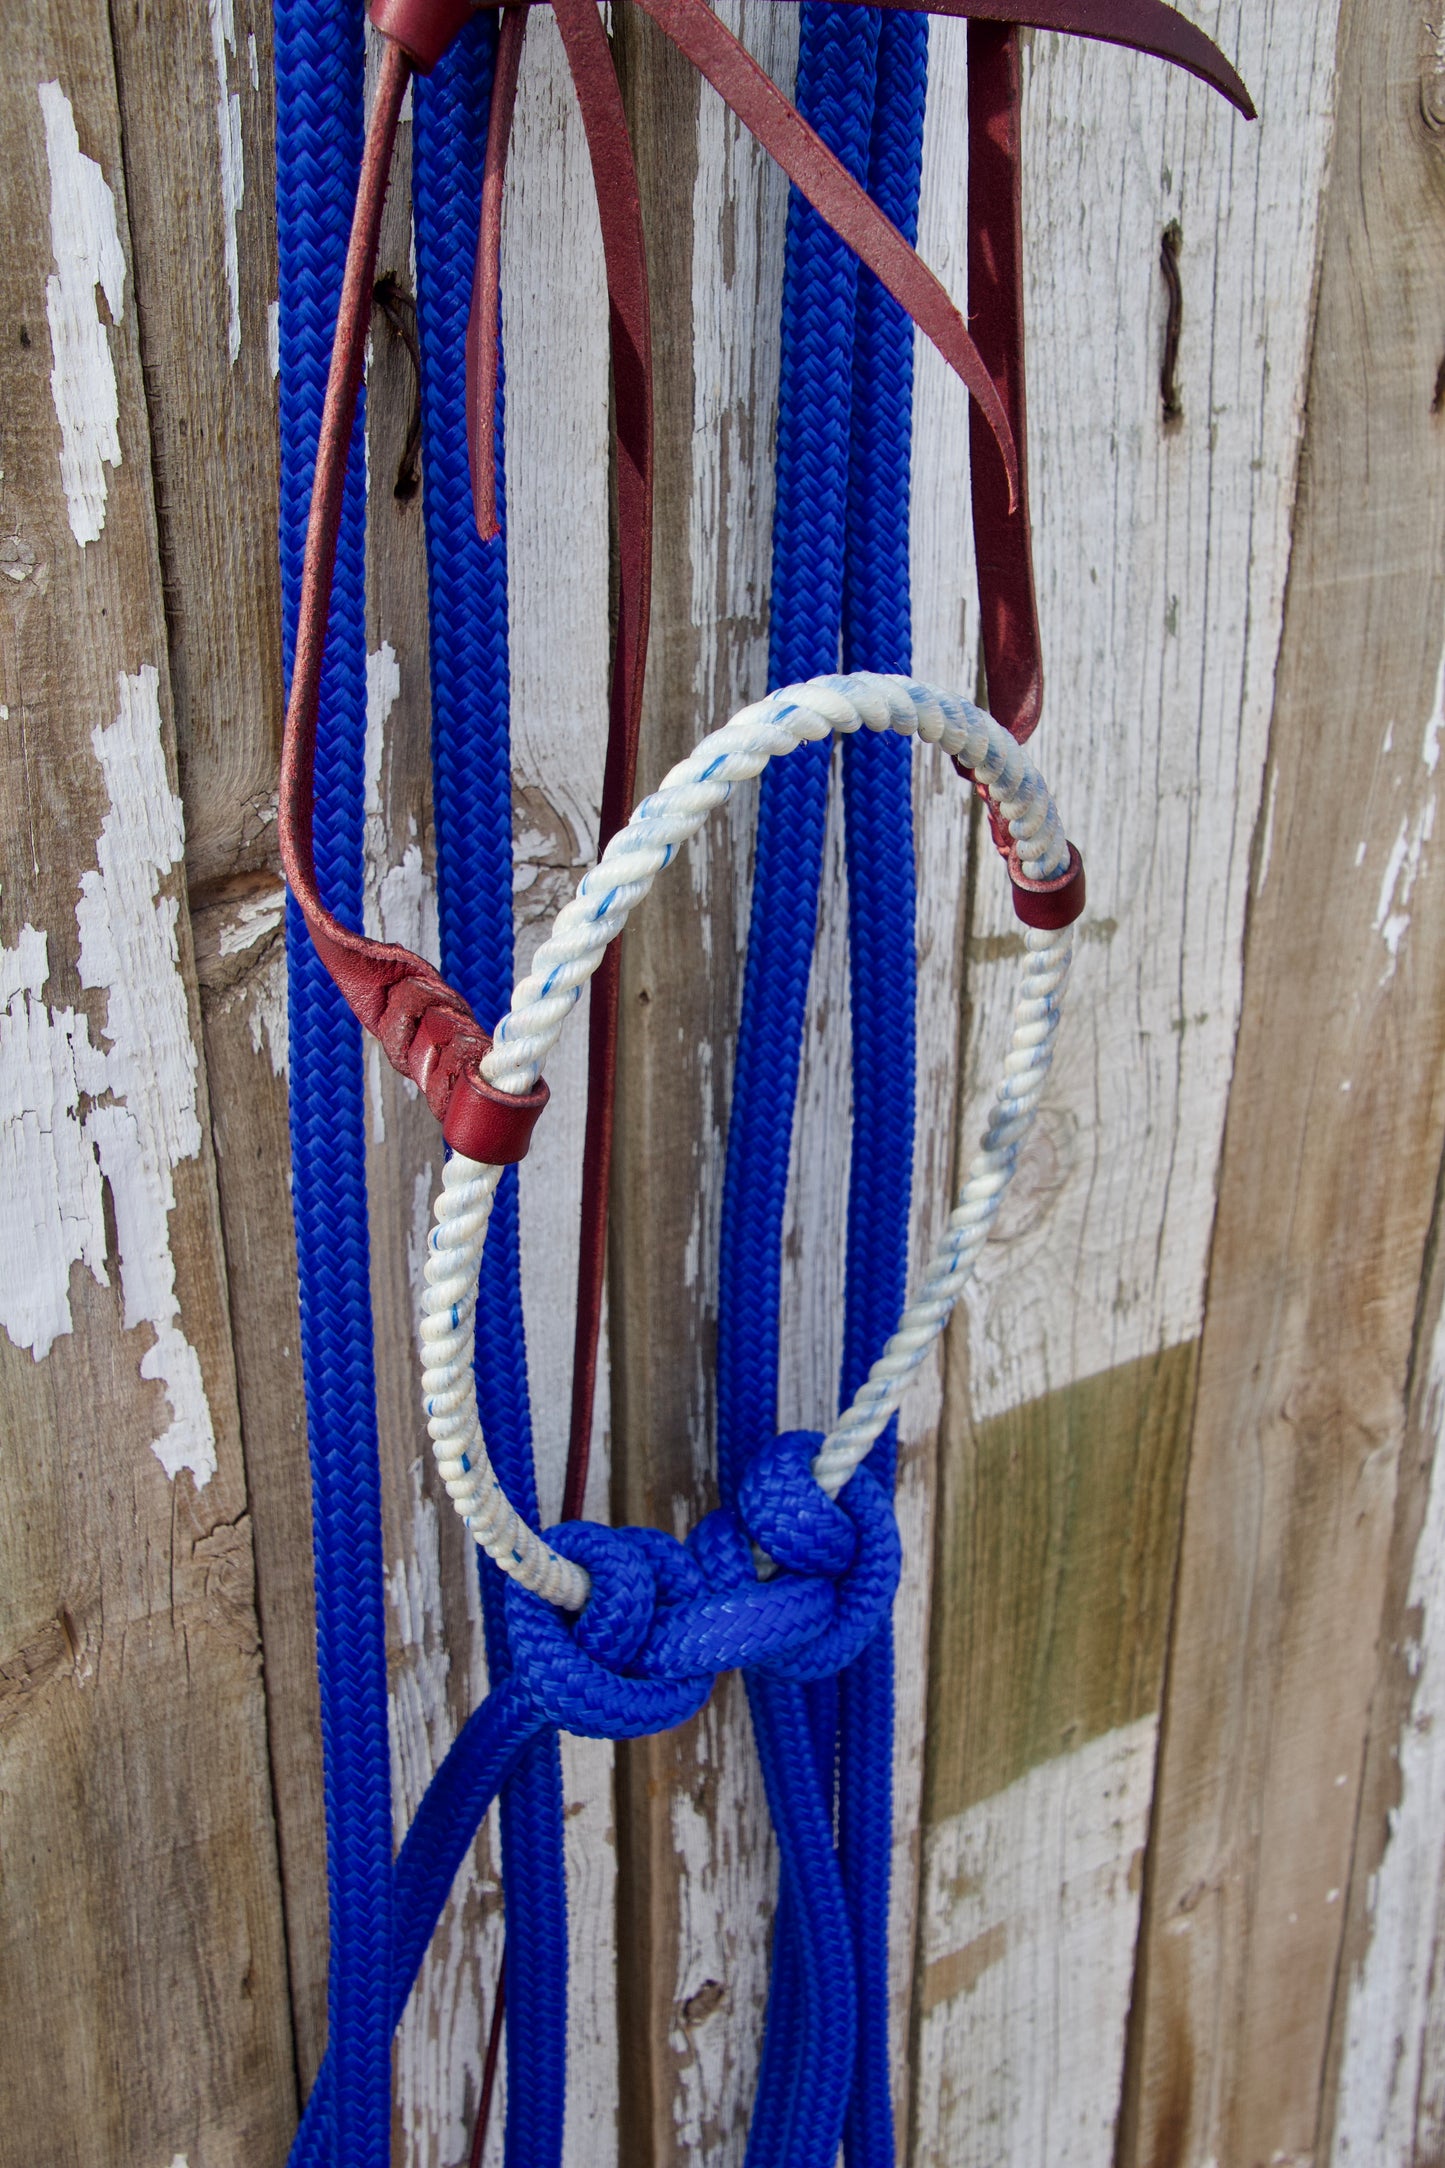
x=491 y=1126
x=1050 y=905
x=422 y=28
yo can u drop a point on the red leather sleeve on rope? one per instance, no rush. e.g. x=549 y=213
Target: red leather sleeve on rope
x=422 y=28
x=426 y=1029
x=1050 y=905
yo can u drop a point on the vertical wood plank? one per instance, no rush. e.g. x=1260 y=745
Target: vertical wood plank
x=1384 y=2098
x=144 y=1972
x=554 y=296
x=198 y=114
x=241 y=970
x=1162 y=556
x=694 y=1857
x=697 y=1856
x=197 y=109
x=1325 y=1197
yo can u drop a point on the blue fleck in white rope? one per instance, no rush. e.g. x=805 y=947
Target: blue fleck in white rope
x=605 y=897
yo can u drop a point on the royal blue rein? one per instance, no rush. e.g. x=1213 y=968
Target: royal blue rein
x=664 y=1618
x=318 y=156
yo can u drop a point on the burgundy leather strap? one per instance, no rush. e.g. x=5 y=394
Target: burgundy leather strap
x=426 y=1029
x=1009 y=622
x=599 y=98
x=589 y=56
x=484 y=323
x=1142 y=26
x=837 y=198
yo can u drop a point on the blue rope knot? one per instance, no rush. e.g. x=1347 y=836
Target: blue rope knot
x=665 y=1618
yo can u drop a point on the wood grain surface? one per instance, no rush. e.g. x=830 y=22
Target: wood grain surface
x=197 y=107
x=1325 y=1197
x=694 y=1858
x=145 y=2006
x=1162 y=556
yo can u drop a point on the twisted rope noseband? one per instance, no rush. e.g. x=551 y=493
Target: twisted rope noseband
x=605 y=898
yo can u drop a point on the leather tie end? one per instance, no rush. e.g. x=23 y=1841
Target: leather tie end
x=1050 y=905
x=491 y=1126
x=442 y=1053
x=422 y=28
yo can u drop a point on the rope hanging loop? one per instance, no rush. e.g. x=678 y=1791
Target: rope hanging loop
x=558 y=1569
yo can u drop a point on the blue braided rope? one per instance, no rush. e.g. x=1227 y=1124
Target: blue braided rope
x=804 y=2075
x=878 y=832
x=840 y=570
x=835 y=92
x=472 y=797
x=319 y=107
x=479 y=1762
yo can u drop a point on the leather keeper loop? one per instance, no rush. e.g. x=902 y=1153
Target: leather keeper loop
x=1050 y=905
x=422 y=28
x=435 y=1034
x=494 y=1127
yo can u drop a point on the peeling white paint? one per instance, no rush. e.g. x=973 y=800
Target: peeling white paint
x=51 y=1214
x=383 y=689
x=423 y=1183
x=406 y=905
x=1029 y=1915
x=253 y=60
x=149 y=1123
x=726 y=1883
x=1402 y=868
x=273 y=338
x=1389 y=2109
x=442 y=2035
x=141 y=1121
x=233 y=168
x=1430 y=749
x=398 y=901
x=1266 y=847
x=268 y=1019
x=254 y=920
x=256 y=917
x=86 y=246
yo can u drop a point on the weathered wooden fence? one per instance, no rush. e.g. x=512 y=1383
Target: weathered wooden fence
x=1171 y=1760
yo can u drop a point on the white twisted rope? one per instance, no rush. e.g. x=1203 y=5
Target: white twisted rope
x=607 y=893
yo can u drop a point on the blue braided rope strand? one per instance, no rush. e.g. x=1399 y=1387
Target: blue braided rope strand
x=835 y=92
x=318 y=154
x=802 y=2092
x=882 y=959
x=472 y=797
x=478 y=1763
x=840 y=569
